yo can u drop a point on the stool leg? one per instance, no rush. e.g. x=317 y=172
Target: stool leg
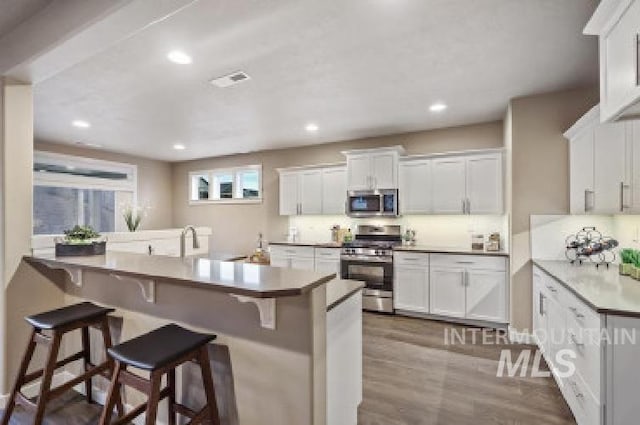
x=171 y=383
x=106 y=338
x=47 y=376
x=207 y=380
x=24 y=366
x=86 y=349
x=154 y=399
x=112 y=396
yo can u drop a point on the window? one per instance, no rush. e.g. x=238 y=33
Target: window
x=229 y=185
x=72 y=190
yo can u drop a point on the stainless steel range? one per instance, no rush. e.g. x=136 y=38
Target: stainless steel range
x=370 y=259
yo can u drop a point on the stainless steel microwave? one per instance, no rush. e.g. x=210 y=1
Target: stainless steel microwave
x=372 y=203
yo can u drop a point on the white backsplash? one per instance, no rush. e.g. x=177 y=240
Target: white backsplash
x=435 y=230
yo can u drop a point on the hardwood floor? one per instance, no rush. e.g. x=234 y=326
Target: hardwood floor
x=411 y=377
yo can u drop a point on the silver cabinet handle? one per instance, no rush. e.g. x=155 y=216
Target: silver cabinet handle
x=622 y=204
x=468 y=206
x=465 y=262
x=586 y=200
x=464 y=207
x=551 y=288
x=576 y=391
x=637 y=59
x=575 y=312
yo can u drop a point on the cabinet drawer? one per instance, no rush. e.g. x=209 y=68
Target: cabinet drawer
x=411 y=259
x=292 y=251
x=584 y=406
x=469 y=261
x=328 y=253
x=585 y=343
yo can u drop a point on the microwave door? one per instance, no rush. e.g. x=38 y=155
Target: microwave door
x=364 y=205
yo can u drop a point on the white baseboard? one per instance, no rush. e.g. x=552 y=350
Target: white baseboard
x=521 y=337
x=59 y=378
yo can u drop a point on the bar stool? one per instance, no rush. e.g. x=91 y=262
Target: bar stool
x=61 y=321
x=160 y=352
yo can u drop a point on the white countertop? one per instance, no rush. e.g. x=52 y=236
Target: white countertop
x=225 y=276
x=604 y=290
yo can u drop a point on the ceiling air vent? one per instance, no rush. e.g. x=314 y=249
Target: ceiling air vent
x=231 y=79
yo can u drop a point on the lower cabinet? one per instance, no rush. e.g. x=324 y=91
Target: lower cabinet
x=327 y=260
x=292 y=257
x=458 y=286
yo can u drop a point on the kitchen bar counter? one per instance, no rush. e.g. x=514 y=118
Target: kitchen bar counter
x=224 y=276
x=604 y=290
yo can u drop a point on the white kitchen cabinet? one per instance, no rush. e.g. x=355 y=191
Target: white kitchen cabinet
x=292 y=257
x=467 y=184
x=448 y=186
x=373 y=168
x=616 y=24
x=484 y=184
x=411 y=289
x=447 y=291
x=334 y=190
x=289 y=202
x=327 y=260
x=581 y=173
x=602 y=166
x=310 y=191
x=411 y=282
x=486 y=295
x=415 y=186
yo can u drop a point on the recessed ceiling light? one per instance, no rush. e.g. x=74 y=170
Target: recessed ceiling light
x=311 y=127
x=437 y=107
x=80 y=124
x=179 y=147
x=179 y=57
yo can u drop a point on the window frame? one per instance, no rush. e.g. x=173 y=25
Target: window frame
x=235 y=172
x=49 y=179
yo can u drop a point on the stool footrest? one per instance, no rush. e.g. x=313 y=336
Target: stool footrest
x=23 y=401
x=55 y=392
x=38 y=373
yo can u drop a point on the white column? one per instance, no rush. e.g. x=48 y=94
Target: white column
x=16 y=184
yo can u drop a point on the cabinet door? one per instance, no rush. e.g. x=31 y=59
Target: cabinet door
x=280 y=261
x=359 y=172
x=484 y=184
x=411 y=289
x=310 y=192
x=288 y=194
x=448 y=185
x=447 y=296
x=328 y=266
x=556 y=326
x=334 y=190
x=619 y=65
x=609 y=170
x=581 y=172
x=486 y=295
x=384 y=170
x=415 y=187
x=300 y=263
x=538 y=302
x=633 y=146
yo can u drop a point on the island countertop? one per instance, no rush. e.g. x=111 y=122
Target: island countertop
x=231 y=277
x=603 y=289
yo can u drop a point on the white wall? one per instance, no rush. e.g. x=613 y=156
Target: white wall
x=434 y=230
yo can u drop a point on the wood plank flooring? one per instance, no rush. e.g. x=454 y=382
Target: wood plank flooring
x=411 y=377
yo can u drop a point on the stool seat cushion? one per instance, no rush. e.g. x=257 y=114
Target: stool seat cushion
x=67 y=315
x=159 y=347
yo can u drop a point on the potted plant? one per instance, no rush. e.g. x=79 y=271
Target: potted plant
x=635 y=270
x=627 y=257
x=80 y=241
x=132 y=217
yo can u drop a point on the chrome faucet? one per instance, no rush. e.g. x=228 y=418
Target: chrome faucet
x=183 y=240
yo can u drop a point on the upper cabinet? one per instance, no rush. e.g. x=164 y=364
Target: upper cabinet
x=415 y=186
x=372 y=169
x=467 y=184
x=617 y=25
x=313 y=191
x=604 y=166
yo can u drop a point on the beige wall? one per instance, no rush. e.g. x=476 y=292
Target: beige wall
x=540 y=176
x=154 y=181
x=235 y=226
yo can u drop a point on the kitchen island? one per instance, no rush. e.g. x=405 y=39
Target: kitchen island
x=279 y=330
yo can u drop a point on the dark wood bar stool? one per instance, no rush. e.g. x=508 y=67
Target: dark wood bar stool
x=59 y=322
x=160 y=352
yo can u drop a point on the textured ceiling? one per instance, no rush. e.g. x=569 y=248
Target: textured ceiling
x=357 y=68
x=15 y=12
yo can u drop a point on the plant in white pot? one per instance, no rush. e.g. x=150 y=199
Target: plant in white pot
x=133 y=217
